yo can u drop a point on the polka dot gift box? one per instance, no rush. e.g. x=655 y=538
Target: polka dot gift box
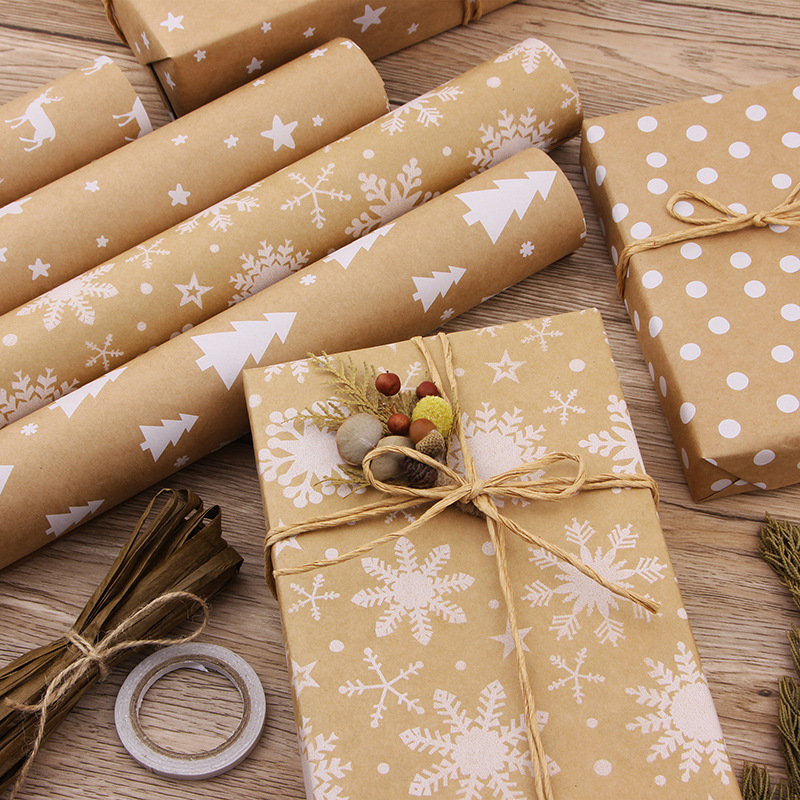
x=403 y=659
x=689 y=197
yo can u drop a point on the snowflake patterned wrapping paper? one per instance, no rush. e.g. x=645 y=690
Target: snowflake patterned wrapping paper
x=143 y=421
x=95 y=213
x=401 y=661
x=196 y=55
x=62 y=126
x=227 y=252
x=717 y=318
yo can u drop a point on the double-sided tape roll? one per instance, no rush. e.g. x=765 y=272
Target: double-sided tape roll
x=190 y=766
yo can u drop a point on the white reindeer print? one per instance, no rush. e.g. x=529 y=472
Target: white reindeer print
x=98 y=64
x=137 y=114
x=43 y=128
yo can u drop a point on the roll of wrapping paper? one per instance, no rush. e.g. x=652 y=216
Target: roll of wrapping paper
x=59 y=127
x=183 y=399
x=124 y=198
x=66 y=338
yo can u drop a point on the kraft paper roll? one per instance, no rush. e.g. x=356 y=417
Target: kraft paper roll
x=59 y=127
x=103 y=209
x=168 y=407
x=524 y=97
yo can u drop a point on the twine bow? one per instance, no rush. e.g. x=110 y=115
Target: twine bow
x=516 y=483
x=98 y=656
x=787 y=212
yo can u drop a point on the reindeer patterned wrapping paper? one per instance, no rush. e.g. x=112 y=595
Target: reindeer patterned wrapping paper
x=62 y=126
x=197 y=54
x=65 y=338
x=401 y=660
x=97 y=212
x=143 y=421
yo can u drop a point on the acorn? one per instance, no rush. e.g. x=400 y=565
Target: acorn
x=419 y=429
x=399 y=424
x=389 y=465
x=419 y=475
x=387 y=383
x=356 y=436
x=427 y=389
x=432 y=445
x=438 y=410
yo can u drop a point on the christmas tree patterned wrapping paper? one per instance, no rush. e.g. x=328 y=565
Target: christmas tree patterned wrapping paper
x=67 y=123
x=95 y=213
x=402 y=661
x=717 y=317
x=98 y=321
x=197 y=55
x=143 y=421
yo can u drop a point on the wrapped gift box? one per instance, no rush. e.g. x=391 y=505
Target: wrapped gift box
x=402 y=661
x=717 y=317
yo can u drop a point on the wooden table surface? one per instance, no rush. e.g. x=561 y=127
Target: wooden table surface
x=624 y=55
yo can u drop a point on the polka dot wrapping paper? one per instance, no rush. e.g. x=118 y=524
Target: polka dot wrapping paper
x=401 y=660
x=196 y=54
x=717 y=318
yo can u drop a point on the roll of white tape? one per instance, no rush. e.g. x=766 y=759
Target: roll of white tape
x=190 y=766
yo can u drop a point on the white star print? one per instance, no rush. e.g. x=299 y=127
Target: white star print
x=413 y=29
x=507 y=640
x=180 y=139
x=179 y=196
x=280 y=134
x=267 y=26
x=301 y=677
x=371 y=16
x=259 y=82
x=200 y=55
x=231 y=141
x=172 y=22
x=101 y=241
x=318 y=120
x=320 y=51
x=192 y=292
x=505 y=368
x=308 y=32
x=91 y=186
x=168 y=79
x=254 y=65
x=39 y=269
x=145 y=40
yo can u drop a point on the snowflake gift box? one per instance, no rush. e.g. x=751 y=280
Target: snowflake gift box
x=402 y=659
x=716 y=317
x=196 y=54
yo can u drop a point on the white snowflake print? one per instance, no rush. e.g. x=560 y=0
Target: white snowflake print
x=586 y=596
x=321 y=770
x=620 y=442
x=311 y=597
x=75 y=295
x=574 y=677
x=564 y=406
x=413 y=591
x=307 y=280
x=25 y=395
x=181 y=462
x=683 y=716
x=478 y=752
x=532 y=52
x=219 y=217
x=412 y=375
x=526 y=249
x=145 y=252
x=571 y=96
x=426 y=108
x=389 y=200
x=268 y=265
x=384 y=687
x=29 y=429
x=103 y=353
x=314 y=192
x=299 y=370
x=509 y=136
x=541 y=333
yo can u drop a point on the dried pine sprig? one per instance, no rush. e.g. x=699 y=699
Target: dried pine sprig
x=177 y=548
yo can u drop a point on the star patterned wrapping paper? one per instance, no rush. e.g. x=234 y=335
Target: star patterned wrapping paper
x=95 y=213
x=98 y=321
x=401 y=660
x=197 y=55
x=67 y=123
x=717 y=318
x=143 y=421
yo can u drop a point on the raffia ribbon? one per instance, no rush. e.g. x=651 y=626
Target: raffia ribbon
x=787 y=212
x=482 y=495
x=97 y=656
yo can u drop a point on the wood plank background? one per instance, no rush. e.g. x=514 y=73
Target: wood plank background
x=623 y=55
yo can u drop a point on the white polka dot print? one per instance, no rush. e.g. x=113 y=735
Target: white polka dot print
x=690 y=351
x=614 y=255
x=684 y=208
x=640 y=230
x=763 y=457
x=656 y=159
x=782 y=353
x=657 y=186
x=595 y=133
x=662 y=385
x=756 y=113
x=494 y=82
x=707 y=175
x=790 y=264
x=721 y=484
x=712 y=98
x=10 y=339
x=791 y=312
x=791 y=139
x=729 y=428
x=602 y=767
x=741 y=260
x=719 y=325
x=636 y=321
x=685 y=457
x=655 y=326
x=738 y=381
x=739 y=208
x=781 y=180
x=619 y=212
x=600 y=175
x=754 y=289
x=787 y=403
x=696 y=133
x=647 y=124
x=651 y=279
x=688 y=410
x=739 y=149
x=696 y=289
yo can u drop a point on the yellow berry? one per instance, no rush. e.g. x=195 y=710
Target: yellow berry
x=438 y=410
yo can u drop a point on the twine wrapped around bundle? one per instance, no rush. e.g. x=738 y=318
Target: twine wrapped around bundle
x=480 y=496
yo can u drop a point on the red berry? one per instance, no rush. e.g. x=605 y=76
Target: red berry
x=419 y=429
x=427 y=388
x=398 y=424
x=387 y=383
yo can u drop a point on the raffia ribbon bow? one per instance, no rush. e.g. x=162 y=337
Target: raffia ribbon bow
x=469 y=488
x=787 y=212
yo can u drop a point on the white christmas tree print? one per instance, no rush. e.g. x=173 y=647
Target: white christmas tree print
x=69 y=403
x=103 y=353
x=385 y=687
x=219 y=217
x=438 y=284
x=145 y=253
x=563 y=405
x=584 y=594
x=158 y=437
x=481 y=752
x=541 y=333
x=412 y=590
x=321 y=770
x=427 y=109
x=26 y=395
x=574 y=677
x=509 y=136
x=268 y=265
x=531 y=51
x=311 y=597
x=344 y=255
x=61 y=523
x=75 y=296
x=493 y=208
x=619 y=443
x=389 y=200
x=314 y=192
x=682 y=717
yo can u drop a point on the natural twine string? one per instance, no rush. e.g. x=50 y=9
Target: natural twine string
x=787 y=212
x=481 y=494
x=473 y=10
x=98 y=655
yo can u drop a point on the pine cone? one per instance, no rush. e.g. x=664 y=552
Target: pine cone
x=419 y=475
x=432 y=445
